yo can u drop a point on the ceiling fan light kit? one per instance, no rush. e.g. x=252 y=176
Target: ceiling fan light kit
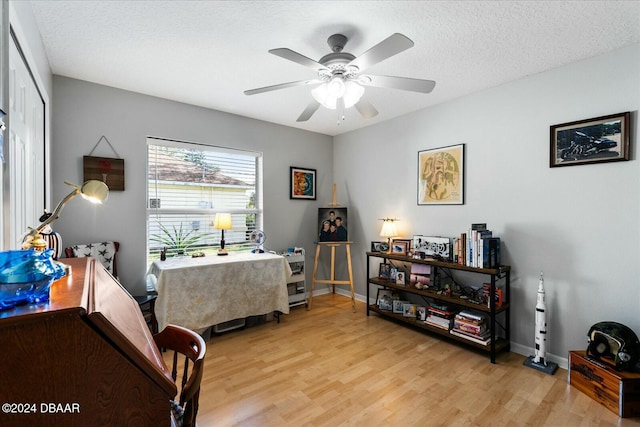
x=327 y=94
x=340 y=84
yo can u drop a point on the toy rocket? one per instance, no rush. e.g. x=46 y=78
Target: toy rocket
x=541 y=325
x=538 y=360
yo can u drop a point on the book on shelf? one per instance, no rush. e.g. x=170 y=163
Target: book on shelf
x=471 y=316
x=441 y=313
x=486 y=290
x=490 y=252
x=439 y=322
x=462 y=249
x=479 y=246
x=477 y=340
x=469 y=328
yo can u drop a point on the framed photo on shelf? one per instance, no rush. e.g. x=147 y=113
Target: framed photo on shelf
x=400 y=246
x=385 y=299
x=400 y=278
x=377 y=246
x=384 y=272
x=597 y=140
x=441 y=176
x=398 y=306
x=421 y=313
x=409 y=310
x=302 y=183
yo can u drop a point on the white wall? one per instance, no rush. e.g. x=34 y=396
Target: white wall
x=83 y=112
x=579 y=224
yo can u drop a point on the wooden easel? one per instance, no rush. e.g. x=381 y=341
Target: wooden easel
x=332 y=281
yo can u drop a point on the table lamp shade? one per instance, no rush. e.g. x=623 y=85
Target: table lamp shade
x=222 y=221
x=389 y=229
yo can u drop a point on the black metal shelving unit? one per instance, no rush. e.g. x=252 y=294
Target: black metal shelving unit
x=503 y=273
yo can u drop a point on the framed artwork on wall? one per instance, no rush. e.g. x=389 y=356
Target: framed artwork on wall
x=302 y=183
x=441 y=176
x=105 y=169
x=597 y=140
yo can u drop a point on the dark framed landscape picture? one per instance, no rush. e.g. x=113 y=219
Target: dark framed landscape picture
x=597 y=140
x=441 y=176
x=302 y=183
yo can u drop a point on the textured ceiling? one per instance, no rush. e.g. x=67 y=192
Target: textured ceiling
x=207 y=53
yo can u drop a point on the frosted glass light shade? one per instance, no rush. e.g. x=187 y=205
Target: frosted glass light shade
x=327 y=94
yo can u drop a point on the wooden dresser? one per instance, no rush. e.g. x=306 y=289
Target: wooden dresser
x=84 y=358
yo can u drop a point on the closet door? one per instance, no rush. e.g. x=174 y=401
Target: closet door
x=25 y=153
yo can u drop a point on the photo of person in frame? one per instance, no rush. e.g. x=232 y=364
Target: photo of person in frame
x=332 y=224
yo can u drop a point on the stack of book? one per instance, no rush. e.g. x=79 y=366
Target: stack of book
x=471 y=326
x=440 y=316
x=478 y=247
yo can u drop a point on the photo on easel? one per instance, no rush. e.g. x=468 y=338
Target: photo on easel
x=332 y=224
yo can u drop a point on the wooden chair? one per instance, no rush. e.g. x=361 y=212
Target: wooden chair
x=189 y=344
x=106 y=253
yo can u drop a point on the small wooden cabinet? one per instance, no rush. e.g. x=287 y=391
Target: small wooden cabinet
x=493 y=311
x=85 y=357
x=618 y=391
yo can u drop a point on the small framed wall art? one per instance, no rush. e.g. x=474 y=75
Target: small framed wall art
x=302 y=183
x=441 y=176
x=597 y=140
x=105 y=169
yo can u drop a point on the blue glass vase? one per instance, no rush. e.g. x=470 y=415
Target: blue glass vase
x=26 y=276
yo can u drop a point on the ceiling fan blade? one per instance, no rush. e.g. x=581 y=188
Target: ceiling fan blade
x=402 y=83
x=289 y=54
x=308 y=112
x=390 y=46
x=281 y=86
x=366 y=109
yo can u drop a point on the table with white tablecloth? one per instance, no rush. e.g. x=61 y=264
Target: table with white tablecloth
x=200 y=292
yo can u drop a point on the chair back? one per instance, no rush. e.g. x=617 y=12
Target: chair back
x=188 y=353
x=105 y=252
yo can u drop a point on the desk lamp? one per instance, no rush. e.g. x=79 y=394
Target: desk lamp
x=93 y=190
x=222 y=222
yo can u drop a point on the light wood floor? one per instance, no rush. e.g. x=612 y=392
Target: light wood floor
x=332 y=367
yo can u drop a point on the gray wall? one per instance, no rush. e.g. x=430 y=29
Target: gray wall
x=579 y=224
x=83 y=112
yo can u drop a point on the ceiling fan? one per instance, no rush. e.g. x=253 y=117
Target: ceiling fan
x=340 y=81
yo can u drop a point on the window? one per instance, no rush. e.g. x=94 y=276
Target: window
x=188 y=184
